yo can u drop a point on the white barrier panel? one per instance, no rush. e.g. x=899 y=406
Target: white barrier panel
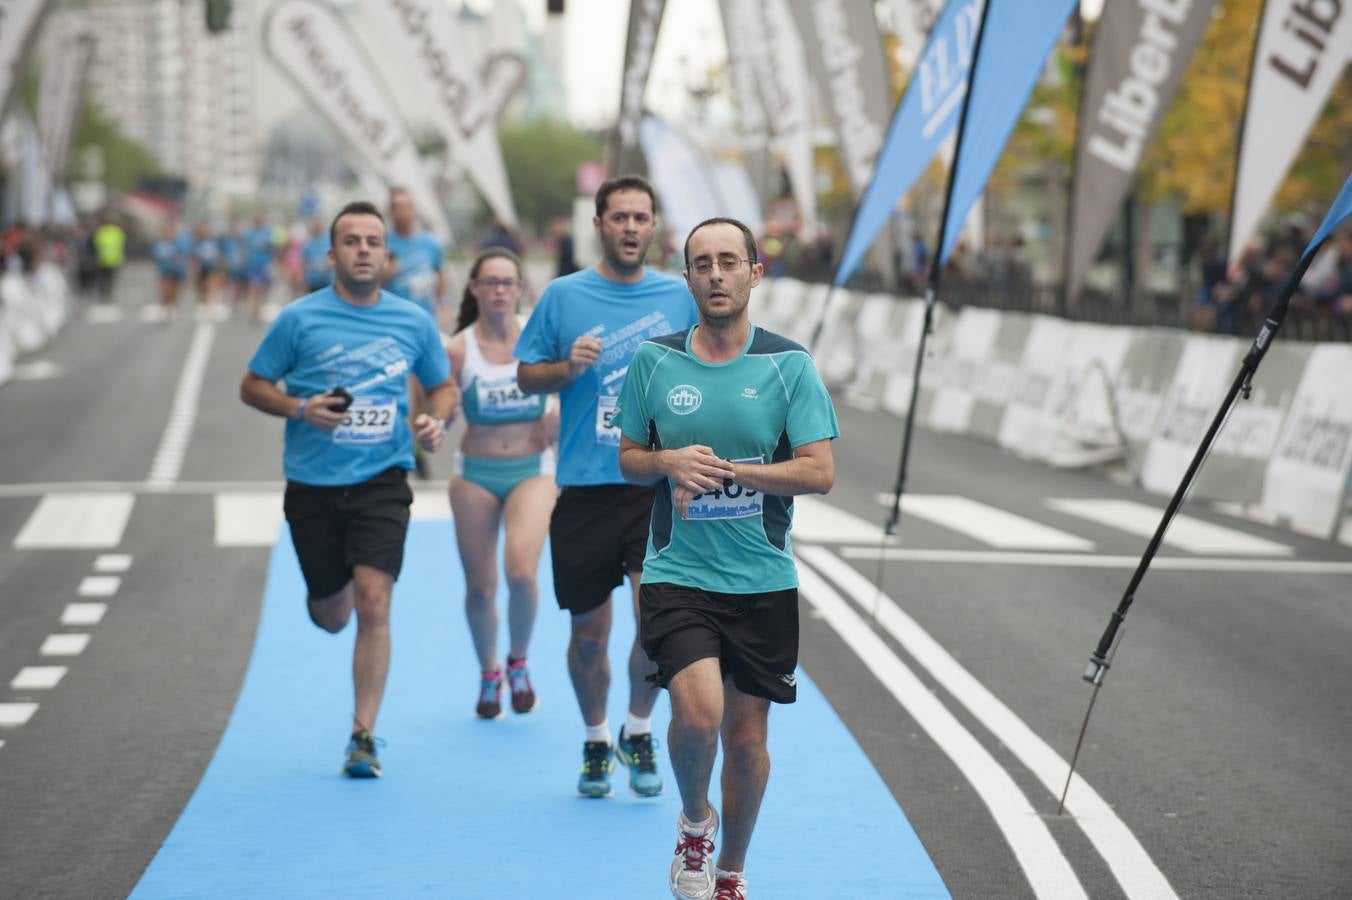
x=897 y=387
x=24 y=316
x=1143 y=381
x=776 y=311
x=1307 y=476
x=956 y=373
x=880 y=317
x=1237 y=465
x=1204 y=372
x=995 y=381
x=800 y=321
x=837 y=351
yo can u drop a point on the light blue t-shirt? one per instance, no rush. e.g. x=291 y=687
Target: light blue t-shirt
x=622 y=316
x=258 y=249
x=315 y=256
x=207 y=253
x=169 y=258
x=320 y=342
x=419 y=258
x=754 y=409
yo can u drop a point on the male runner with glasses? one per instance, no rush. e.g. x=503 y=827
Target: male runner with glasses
x=730 y=422
x=579 y=341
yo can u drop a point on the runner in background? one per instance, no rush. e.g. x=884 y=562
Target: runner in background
x=578 y=341
x=258 y=259
x=504 y=474
x=208 y=264
x=172 y=264
x=318 y=274
x=343 y=353
x=236 y=264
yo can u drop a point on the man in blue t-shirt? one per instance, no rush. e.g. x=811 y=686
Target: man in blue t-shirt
x=730 y=422
x=346 y=353
x=315 y=257
x=578 y=341
x=415 y=271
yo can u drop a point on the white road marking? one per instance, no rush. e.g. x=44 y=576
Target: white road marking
x=38 y=678
x=103 y=315
x=1048 y=872
x=37 y=370
x=818 y=521
x=1185 y=532
x=112 y=562
x=12 y=715
x=987 y=524
x=43 y=488
x=76 y=520
x=64 y=644
x=174 y=442
x=83 y=613
x=99 y=585
x=152 y=313
x=1345 y=535
x=1076 y=561
x=1133 y=868
x=433 y=504
x=248 y=518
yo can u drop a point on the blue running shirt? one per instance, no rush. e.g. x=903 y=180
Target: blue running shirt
x=315 y=256
x=622 y=316
x=321 y=341
x=755 y=408
x=419 y=258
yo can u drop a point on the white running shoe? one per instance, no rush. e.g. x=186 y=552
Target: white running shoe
x=692 y=869
x=729 y=886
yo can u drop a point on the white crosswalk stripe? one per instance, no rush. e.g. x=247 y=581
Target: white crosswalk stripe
x=76 y=520
x=253 y=518
x=985 y=523
x=1185 y=532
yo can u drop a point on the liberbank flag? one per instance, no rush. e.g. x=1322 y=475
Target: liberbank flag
x=645 y=18
x=1016 y=36
x=317 y=50
x=926 y=117
x=18 y=21
x=1141 y=49
x=1303 y=48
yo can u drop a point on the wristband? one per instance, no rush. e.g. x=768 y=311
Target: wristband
x=300 y=410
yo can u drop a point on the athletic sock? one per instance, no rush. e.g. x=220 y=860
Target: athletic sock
x=697 y=827
x=634 y=725
x=599 y=732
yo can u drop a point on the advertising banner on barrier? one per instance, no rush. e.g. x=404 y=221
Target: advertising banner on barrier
x=645 y=18
x=61 y=87
x=1308 y=474
x=926 y=117
x=1140 y=52
x=845 y=57
x=956 y=373
x=879 y=328
x=837 y=351
x=19 y=20
x=903 y=344
x=1238 y=461
x=463 y=92
x=1143 y=381
x=1199 y=384
x=317 y=50
x=1302 y=51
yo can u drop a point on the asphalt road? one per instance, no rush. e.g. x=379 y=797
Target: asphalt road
x=1218 y=745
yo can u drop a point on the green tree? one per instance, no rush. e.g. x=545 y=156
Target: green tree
x=125 y=161
x=542 y=156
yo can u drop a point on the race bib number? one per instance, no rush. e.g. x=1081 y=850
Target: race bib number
x=732 y=501
x=607 y=432
x=369 y=420
x=501 y=398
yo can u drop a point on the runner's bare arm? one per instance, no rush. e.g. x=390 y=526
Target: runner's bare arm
x=264 y=395
x=695 y=467
x=811 y=471
x=547 y=377
x=430 y=427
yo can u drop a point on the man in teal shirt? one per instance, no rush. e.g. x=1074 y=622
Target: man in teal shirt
x=730 y=422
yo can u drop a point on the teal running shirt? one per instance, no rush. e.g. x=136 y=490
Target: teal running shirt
x=757 y=407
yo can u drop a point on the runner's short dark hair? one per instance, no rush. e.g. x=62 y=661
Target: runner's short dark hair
x=355 y=208
x=623 y=183
x=751 y=252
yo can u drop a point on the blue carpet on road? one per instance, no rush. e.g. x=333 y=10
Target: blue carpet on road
x=475 y=809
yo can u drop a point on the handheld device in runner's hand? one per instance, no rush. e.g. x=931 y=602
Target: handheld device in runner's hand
x=342 y=394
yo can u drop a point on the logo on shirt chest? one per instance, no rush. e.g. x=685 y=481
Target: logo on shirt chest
x=749 y=393
x=684 y=399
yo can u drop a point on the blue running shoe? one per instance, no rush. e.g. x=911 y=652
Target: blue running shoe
x=361 y=756
x=596 y=765
x=637 y=753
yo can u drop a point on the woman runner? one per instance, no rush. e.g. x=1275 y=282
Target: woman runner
x=504 y=471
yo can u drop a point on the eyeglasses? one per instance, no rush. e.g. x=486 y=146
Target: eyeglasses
x=725 y=264
x=492 y=284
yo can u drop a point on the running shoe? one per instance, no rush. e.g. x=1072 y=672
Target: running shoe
x=730 y=886
x=361 y=756
x=637 y=753
x=490 y=696
x=692 y=869
x=596 y=765
x=518 y=679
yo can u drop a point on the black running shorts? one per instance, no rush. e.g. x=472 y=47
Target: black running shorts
x=596 y=534
x=753 y=636
x=336 y=528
